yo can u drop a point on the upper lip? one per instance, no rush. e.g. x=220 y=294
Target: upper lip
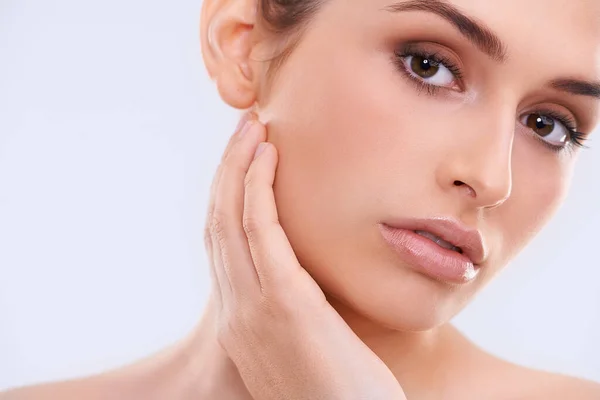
x=469 y=240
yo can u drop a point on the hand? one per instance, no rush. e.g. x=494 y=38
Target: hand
x=273 y=319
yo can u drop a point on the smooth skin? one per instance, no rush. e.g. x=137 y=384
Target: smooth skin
x=254 y=325
x=357 y=137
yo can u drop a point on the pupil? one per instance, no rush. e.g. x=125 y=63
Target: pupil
x=424 y=67
x=540 y=123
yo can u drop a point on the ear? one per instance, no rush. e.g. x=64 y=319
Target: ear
x=226 y=28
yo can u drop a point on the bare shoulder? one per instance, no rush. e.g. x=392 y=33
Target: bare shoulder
x=580 y=389
x=502 y=379
x=532 y=384
x=549 y=386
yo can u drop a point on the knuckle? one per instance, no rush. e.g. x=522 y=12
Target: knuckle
x=251 y=224
x=218 y=225
x=249 y=179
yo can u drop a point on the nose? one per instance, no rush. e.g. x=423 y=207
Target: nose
x=477 y=167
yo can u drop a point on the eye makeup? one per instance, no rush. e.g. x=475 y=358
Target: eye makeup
x=432 y=70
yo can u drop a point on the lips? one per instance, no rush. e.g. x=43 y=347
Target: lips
x=447 y=231
x=441 y=248
x=441 y=242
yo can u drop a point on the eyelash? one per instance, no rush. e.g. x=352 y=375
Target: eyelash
x=576 y=138
x=438 y=58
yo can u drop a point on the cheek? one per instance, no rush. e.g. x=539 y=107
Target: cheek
x=337 y=134
x=331 y=131
x=540 y=183
x=349 y=148
x=325 y=122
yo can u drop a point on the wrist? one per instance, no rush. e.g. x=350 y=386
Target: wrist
x=178 y=374
x=199 y=368
x=163 y=375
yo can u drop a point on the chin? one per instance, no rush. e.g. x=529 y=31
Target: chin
x=386 y=294
x=410 y=302
x=364 y=280
x=336 y=238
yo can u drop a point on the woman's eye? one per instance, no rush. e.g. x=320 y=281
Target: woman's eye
x=548 y=128
x=429 y=71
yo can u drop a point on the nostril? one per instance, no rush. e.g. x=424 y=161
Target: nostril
x=461 y=184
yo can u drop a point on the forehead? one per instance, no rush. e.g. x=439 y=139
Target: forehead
x=580 y=18
x=544 y=39
x=555 y=27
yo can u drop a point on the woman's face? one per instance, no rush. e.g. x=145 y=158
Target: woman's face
x=389 y=113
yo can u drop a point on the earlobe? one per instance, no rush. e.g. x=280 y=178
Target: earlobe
x=226 y=28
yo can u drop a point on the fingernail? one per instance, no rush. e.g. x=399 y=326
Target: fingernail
x=248 y=116
x=261 y=147
x=246 y=127
x=242 y=122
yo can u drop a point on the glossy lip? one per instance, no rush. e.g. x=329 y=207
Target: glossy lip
x=429 y=258
x=449 y=229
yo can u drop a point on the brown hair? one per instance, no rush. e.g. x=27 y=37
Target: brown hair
x=287 y=20
x=283 y=16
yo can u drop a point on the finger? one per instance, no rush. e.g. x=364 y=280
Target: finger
x=211 y=204
x=270 y=248
x=224 y=286
x=235 y=260
x=207 y=235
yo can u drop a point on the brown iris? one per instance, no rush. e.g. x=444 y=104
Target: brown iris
x=542 y=125
x=424 y=67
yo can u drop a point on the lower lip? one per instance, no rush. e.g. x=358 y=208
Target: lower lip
x=428 y=257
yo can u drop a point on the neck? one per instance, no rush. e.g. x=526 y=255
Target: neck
x=413 y=357
x=209 y=372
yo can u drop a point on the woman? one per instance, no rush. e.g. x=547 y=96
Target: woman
x=406 y=151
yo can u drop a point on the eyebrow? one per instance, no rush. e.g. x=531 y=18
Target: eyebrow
x=480 y=35
x=577 y=87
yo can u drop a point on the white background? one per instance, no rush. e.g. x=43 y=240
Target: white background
x=110 y=132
